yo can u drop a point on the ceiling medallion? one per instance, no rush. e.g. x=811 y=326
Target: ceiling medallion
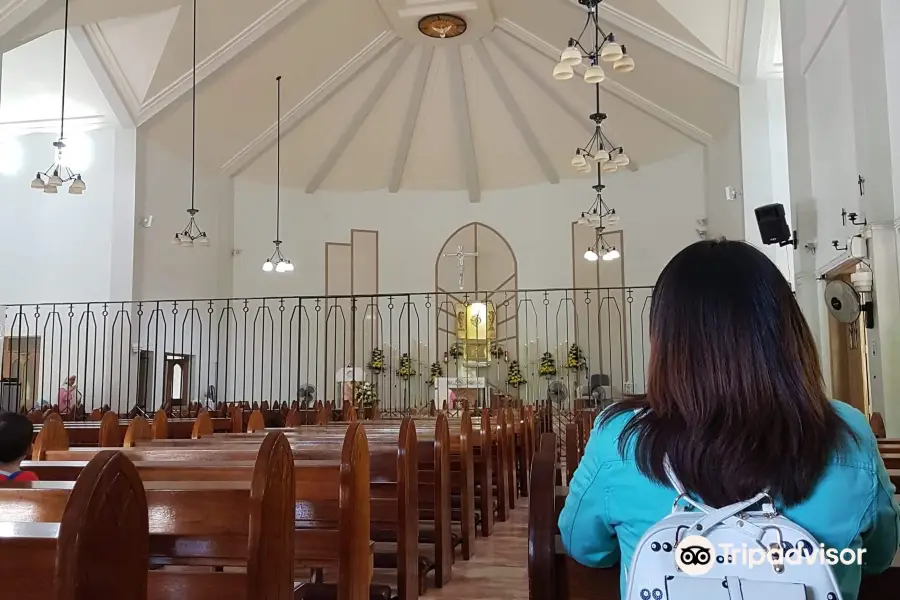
x=442 y=26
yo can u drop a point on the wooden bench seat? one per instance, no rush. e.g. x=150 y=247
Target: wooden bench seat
x=102 y=521
x=331 y=499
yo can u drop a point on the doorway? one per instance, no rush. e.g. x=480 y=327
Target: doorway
x=177 y=382
x=848 y=344
x=20 y=370
x=145 y=360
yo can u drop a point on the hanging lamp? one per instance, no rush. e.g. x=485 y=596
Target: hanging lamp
x=277 y=262
x=192 y=234
x=58 y=174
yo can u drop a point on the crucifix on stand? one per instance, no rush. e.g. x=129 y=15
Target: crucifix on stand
x=460 y=257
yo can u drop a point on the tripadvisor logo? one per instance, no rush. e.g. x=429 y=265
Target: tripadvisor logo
x=696 y=555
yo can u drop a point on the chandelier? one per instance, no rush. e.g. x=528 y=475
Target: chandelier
x=602 y=48
x=58 y=174
x=192 y=234
x=277 y=262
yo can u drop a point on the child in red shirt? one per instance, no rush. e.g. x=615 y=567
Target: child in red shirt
x=16 y=432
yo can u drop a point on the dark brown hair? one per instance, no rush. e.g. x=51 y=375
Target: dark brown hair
x=734 y=388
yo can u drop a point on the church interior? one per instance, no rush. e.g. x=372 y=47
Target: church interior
x=412 y=254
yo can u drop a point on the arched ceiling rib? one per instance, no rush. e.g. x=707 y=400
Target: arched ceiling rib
x=372 y=104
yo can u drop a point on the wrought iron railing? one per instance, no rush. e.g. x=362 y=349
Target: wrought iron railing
x=145 y=354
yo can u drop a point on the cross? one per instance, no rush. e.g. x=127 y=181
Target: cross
x=460 y=257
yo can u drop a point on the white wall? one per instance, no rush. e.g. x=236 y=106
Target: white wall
x=658 y=205
x=56 y=248
x=165 y=271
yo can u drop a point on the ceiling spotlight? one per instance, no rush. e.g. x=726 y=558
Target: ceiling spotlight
x=612 y=254
x=594 y=74
x=591 y=255
x=571 y=56
x=562 y=72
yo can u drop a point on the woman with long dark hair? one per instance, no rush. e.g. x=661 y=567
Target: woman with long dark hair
x=735 y=401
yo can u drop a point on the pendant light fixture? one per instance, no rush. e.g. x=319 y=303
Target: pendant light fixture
x=277 y=262
x=58 y=174
x=607 y=156
x=192 y=234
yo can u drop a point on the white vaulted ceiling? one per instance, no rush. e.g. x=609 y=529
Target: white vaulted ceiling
x=371 y=103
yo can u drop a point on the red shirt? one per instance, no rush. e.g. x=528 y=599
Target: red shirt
x=19 y=476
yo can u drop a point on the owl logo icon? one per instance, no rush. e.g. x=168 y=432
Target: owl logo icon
x=695 y=555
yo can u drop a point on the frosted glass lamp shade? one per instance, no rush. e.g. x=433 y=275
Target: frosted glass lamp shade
x=624 y=65
x=37 y=183
x=578 y=161
x=55 y=180
x=594 y=74
x=622 y=159
x=601 y=156
x=203 y=240
x=571 y=56
x=611 y=52
x=562 y=72
x=77 y=186
x=591 y=256
x=613 y=254
x=610 y=167
x=268 y=267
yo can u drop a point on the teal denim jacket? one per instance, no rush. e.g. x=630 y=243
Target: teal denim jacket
x=611 y=504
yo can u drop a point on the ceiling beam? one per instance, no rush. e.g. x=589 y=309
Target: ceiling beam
x=232 y=49
x=615 y=88
x=553 y=92
x=515 y=111
x=18 y=19
x=463 y=123
x=412 y=117
x=707 y=61
x=122 y=110
x=359 y=117
x=309 y=105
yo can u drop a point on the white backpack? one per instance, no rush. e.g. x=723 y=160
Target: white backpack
x=724 y=554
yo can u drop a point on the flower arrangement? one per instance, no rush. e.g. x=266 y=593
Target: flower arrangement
x=366 y=394
x=436 y=371
x=405 y=371
x=514 y=378
x=547 y=367
x=376 y=363
x=497 y=351
x=456 y=351
x=575 y=360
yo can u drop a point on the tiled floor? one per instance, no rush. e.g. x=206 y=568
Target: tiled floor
x=499 y=569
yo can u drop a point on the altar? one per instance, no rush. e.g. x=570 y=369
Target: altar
x=456 y=391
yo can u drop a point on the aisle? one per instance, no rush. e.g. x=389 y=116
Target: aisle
x=499 y=570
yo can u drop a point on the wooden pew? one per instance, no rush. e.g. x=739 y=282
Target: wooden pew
x=331 y=501
x=110 y=431
x=553 y=575
x=231 y=524
x=102 y=522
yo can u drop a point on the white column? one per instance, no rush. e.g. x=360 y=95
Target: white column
x=872 y=123
x=803 y=205
x=124 y=219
